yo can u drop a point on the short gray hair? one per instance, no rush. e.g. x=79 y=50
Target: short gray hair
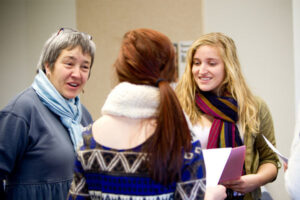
x=65 y=39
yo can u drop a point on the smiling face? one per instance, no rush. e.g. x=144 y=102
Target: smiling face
x=70 y=72
x=208 y=68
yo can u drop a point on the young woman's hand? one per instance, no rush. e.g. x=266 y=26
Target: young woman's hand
x=285 y=166
x=245 y=184
x=215 y=193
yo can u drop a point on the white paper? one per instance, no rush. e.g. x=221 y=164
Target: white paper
x=285 y=159
x=215 y=160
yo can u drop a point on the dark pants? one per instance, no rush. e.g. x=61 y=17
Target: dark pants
x=230 y=196
x=2 y=192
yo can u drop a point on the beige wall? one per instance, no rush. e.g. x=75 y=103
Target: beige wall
x=108 y=20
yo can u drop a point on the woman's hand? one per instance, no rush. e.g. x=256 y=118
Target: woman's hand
x=245 y=184
x=215 y=193
x=285 y=166
x=266 y=172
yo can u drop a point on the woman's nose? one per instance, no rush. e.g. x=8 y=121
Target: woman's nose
x=203 y=69
x=76 y=71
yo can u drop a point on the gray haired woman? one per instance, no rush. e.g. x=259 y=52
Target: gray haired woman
x=40 y=128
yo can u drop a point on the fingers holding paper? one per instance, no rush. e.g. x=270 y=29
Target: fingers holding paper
x=244 y=184
x=247 y=183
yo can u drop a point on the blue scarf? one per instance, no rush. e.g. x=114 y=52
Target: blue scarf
x=69 y=111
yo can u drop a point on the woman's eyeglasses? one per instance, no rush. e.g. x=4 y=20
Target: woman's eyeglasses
x=70 y=30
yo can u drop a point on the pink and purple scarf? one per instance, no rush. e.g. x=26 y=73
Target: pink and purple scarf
x=223 y=132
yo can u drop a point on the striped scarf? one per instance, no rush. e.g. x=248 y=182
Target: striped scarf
x=223 y=132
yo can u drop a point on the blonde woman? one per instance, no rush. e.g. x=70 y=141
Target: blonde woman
x=224 y=112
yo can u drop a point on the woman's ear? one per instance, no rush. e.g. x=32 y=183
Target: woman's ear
x=47 y=69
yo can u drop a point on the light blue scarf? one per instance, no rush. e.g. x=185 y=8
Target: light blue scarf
x=69 y=110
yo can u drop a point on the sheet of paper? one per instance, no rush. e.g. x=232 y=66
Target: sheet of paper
x=234 y=165
x=215 y=160
x=283 y=158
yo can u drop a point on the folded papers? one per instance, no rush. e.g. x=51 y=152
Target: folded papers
x=223 y=164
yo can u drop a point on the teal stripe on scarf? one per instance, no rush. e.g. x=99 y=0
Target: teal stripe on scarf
x=69 y=111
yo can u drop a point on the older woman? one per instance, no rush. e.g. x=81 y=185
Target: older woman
x=40 y=128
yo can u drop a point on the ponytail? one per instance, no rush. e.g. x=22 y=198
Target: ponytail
x=147 y=57
x=170 y=140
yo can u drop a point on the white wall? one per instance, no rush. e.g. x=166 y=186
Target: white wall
x=262 y=30
x=296 y=28
x=25 y=26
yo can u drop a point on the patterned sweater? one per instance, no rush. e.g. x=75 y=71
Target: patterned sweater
x=106 y=173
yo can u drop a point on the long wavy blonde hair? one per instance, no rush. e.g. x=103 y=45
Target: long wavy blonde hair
x=234 y=83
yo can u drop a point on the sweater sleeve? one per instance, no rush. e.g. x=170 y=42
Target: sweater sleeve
x=292 y=175
x=266 y=155
x=13 y=132
x=13 y=141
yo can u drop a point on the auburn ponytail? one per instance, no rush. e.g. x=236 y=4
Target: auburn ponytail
x=171 y=138
x=147 y=57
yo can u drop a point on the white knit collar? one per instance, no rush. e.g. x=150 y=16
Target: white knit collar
x=133 y=101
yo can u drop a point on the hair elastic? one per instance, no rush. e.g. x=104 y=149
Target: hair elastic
x=158 y=81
